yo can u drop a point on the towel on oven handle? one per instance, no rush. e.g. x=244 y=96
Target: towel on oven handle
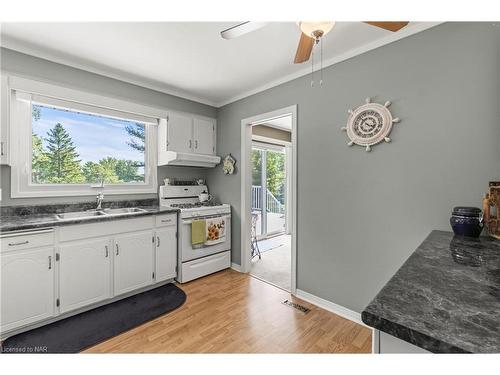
x=216 y=230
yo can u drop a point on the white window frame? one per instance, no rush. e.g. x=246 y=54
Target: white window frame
x=21 y=92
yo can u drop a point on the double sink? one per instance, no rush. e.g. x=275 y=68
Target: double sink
x=99 y=213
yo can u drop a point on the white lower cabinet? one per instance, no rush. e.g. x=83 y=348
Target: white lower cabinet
x=166 y=253
x=133 y=261
x=27 y=289
x=80 y=266
x=84 y=273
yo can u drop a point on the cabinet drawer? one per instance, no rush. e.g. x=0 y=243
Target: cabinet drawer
x=166 y=220
x=204 y=266
x=23 y=240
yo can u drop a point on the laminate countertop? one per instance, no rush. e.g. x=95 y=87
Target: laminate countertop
x=445 y=298
x=36 y=217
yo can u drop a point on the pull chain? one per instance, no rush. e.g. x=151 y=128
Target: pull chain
x=321 y=63
x=312 y=67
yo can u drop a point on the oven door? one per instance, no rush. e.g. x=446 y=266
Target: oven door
x=190 y=252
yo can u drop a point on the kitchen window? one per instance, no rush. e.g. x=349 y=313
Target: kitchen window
x=65 y=147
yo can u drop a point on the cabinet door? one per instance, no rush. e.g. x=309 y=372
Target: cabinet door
x=133 y=261
x=204 y=136
x=166 y=253
x=4 y=121
x=179 y=133
x=84 y=273
x=27 y=288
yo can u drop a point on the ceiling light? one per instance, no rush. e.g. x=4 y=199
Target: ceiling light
x=316 y=29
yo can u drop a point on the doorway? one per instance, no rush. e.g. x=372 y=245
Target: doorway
x=269 y=188
x=268 y=197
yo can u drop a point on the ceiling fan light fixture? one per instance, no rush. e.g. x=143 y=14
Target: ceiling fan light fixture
x=316 y=29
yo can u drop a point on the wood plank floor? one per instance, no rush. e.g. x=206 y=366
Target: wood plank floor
x=230 y=312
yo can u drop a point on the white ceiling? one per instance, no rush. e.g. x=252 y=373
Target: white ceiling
x=190 y=59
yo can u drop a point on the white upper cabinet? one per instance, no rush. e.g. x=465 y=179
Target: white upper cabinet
x=179 y=133
x=78 y=260
x=187 y=140
x=27 y=287
x=4 y=121
x=204 y=136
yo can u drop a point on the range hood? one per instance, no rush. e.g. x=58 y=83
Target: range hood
x=188 y=159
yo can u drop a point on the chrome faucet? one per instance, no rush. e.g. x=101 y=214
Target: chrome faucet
x=99 y=199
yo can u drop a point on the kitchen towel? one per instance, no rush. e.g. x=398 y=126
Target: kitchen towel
x=198 y=229
x=215 y=230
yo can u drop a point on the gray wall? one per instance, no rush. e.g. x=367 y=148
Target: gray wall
x=360 y=215
x=32 y=67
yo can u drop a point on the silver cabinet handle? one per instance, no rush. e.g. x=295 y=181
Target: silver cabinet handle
x=196 y=144
x=166 y=220
x=50 y=262
x=19 y=243
x=190 y=143
x=1 y=148
x=117 y=250
x=157 y=241
x=107 y=252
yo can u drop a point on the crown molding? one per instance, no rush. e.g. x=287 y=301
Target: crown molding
x=403 y=33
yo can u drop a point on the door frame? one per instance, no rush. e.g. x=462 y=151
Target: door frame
x=246 y=186
x=256 y=144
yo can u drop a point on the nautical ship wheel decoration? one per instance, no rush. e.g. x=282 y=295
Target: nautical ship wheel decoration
x=369 y=124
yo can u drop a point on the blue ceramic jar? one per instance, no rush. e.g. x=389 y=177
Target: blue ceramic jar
x=467 y=221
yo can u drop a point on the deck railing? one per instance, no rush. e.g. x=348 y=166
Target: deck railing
x=272 y=203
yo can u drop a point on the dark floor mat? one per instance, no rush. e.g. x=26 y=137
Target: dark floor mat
x=76 y=333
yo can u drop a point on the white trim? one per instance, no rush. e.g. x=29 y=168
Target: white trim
x=236 y=267
x=88 y=66
x=272 y=141
x=403 y=33
x=342 y=311
x=109 y=72
x=20 y=114
x=81 y=96
x=246 y=185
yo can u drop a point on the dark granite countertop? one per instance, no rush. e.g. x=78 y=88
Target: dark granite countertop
x=16 y=218
x=445 y=298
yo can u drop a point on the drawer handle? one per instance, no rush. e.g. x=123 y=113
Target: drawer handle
x=50 y=262
x=117 y=250
x=107 y=252
x=18 y=243
x=166 y=220
x=157 y=241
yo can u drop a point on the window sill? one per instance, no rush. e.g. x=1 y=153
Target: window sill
x=83 y=191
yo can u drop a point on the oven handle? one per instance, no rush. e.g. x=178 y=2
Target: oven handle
x=227 y=217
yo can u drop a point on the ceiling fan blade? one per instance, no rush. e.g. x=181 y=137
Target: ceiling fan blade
x=241 y=29
x=304 y=49
x=391 y=26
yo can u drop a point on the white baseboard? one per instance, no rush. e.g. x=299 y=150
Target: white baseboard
x=330 y=306
x=236 y=267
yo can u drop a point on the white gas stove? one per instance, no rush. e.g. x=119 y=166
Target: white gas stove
x=195 y=261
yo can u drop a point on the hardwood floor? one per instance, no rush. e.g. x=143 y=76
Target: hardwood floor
x=230 y=312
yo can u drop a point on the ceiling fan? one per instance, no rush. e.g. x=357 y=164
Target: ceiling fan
x=311 y=34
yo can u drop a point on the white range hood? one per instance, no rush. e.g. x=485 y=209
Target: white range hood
x=188 y=159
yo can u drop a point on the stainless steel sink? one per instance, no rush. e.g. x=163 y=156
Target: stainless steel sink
x=95 y=213
x=121 y=211
x=79 y=215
